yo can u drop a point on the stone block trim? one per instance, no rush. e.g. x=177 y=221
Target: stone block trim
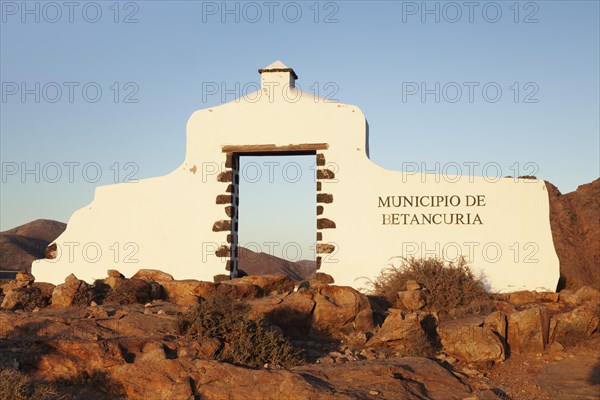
x=223 y=251
x=319 y=236
x=324 y=223
x=319 y=184
x=223 y=199
x=325 y=248
x=222 y=226
x=319 y=210
x=324 y=198
x=325 y=174
x=225 y=176
x=318 y=262
x=320 y=159
x=230 y=211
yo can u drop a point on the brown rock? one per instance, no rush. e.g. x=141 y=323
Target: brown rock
x=399 y=330
x=152 y=275
x=522 y=297
x=575 y=215
x=25 y=298
x=576 y=324
x=528 y=330
x=411 y=300
x=587 y=293
x=64 y=294
x=569 y=297
x=46 y=289
x=187 y=292
x=25 y=277
x=292 y=313
x=413 y=285
x=496 y=321
x=270 y=284
x=470 y=340
x=113 y=281
x=324 y=278
x=114 y=273
x=341 y=312
x=551 y=297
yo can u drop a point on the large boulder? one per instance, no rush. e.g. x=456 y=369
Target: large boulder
x=72 y=292
x=574 y=325
x=269 y=284
x=292 y=313
x=470 y=340
x=528 y=330
x=190 y=291
x=152 y=275
x=342 y=313
x=400 y=329
x=321 y=312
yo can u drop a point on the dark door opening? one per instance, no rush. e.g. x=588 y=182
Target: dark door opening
x=276 y=217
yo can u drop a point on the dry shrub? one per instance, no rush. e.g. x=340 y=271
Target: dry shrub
x=129 y=291
x=15 y=385
x=448 y=286
x=249 y=343
x=29 y=298
x=83 y=296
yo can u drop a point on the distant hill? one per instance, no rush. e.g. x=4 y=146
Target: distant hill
x=21 y=245
x=254 y=263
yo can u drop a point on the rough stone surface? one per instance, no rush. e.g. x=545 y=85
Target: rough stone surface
x=575 y=215
x=528 y=330
x=341 y=312
x=188 y=292
x=269 y=284
x=470 y=340
x=15 y=298
x=114 y=273
x=587 y=293
x=576 y=324
x=399 y=330
x=64 y=294
x=411 y=300
x=152 y=275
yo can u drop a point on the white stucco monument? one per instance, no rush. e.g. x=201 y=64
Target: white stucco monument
x=185 y=223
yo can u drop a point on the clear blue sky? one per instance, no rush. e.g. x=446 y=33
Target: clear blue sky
x=371 y=54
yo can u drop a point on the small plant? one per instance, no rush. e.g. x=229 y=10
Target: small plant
x=250 y=343
x=448 y=286
x=15 y=385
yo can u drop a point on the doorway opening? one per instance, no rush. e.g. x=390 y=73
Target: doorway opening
x=276 y=214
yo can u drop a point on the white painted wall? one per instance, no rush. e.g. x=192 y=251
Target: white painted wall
x=166 y=222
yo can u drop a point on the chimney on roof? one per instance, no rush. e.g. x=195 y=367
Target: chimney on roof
x=277 y=74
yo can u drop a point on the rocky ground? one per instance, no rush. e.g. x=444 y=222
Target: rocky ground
x=530 y=346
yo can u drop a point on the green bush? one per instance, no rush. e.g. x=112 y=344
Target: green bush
x=15 y=385
x=249 y=343
x=449 y=286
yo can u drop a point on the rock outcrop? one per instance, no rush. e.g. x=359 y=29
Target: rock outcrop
x=576 y=232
